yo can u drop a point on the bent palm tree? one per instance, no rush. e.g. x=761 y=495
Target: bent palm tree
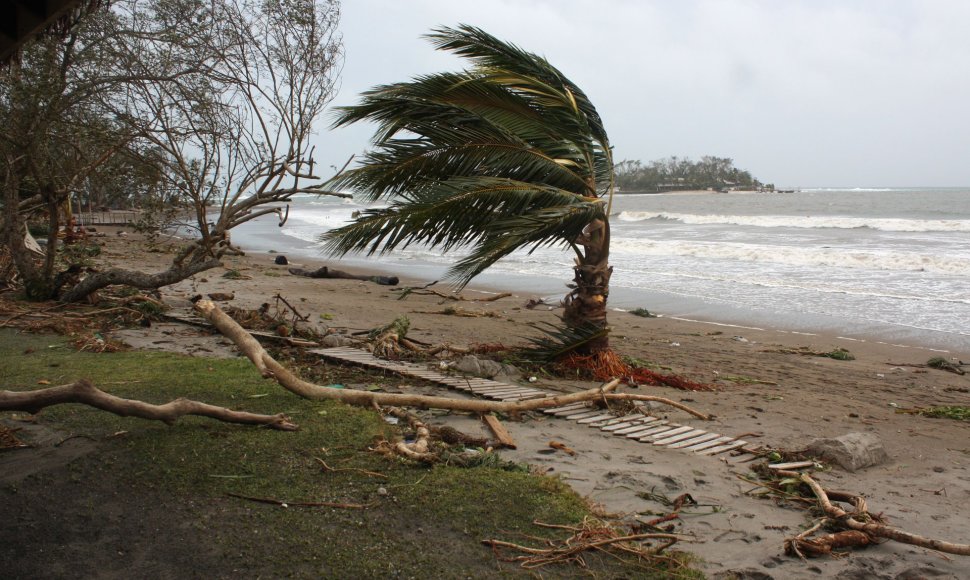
x=507 y=155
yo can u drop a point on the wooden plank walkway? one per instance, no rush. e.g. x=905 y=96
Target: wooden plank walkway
x=636 y=426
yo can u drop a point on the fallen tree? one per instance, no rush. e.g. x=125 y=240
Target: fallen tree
x=86 y=393
x=270 y=368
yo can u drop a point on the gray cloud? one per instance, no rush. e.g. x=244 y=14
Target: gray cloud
x=802 y=93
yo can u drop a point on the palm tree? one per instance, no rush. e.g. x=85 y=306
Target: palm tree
x=506 y=155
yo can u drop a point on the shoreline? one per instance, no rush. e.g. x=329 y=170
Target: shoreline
x=622 y=299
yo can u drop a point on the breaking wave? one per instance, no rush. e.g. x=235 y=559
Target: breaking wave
x=786 y=221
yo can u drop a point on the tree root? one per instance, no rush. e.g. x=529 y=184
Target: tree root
x=873 y=530
x=86 y=393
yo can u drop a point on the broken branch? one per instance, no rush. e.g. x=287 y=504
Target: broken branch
x=270 y=368
x=86 y=393
x=874 y=530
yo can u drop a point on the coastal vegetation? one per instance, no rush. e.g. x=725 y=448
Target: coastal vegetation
x=681 y=173
x=203 y=110
x=505 y=156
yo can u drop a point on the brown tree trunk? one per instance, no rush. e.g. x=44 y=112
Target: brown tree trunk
x=98 y=280
x=36 y=284
x=585 y=306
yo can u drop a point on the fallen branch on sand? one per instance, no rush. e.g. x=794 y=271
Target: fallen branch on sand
x=864 y=528
x=424 y=291
x=86 y=393
x=589 y=537
x=326 y=272
x=270 y=368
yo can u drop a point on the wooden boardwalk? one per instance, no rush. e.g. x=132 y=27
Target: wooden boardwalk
x=637 y=426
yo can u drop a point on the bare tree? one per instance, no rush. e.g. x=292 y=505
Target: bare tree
x=222 y=94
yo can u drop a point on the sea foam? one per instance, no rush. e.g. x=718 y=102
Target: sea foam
x=786 y=221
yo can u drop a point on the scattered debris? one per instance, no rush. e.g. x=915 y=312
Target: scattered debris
x=562 y=447
x=483 y=367
x=868 y=528
x=424 y=291
x=836 y=353
x=937 y=362
x=955 y=412
x=591 y=536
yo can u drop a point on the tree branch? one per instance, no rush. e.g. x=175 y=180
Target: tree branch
x=134 y=278
x=86 y=393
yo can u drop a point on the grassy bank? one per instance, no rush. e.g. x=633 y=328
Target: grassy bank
x=150 y=495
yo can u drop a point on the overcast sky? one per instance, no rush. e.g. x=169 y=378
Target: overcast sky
x=801 y=93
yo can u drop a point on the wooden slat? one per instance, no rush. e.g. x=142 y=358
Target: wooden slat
x=586 y=415
x=792 y=465
x=615 y=420
x=694 y=441
x=708 y=444
x=645 y=423
x=643 y=434
x=598 y=417
x=680 y=437
x=500 y=389
x=723 y=448
x=555 y=410
x=570 y=414
x=499 y=430
x=623 y=424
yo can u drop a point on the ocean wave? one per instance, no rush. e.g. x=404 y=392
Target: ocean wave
x=796 y=256
x=817 y=222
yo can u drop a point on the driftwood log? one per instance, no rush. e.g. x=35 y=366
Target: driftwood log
x=270 y=368
x=326 y=272
x=86 y=393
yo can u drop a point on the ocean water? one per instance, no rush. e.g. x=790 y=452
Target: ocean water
x=884 y=264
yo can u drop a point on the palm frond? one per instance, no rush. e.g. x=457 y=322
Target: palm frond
x=506 y=155
x=467 y=211
x=559 y=340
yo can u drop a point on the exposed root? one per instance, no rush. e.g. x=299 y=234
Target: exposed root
x=609 y=364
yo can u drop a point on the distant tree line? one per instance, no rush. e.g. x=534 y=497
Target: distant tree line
x=675 y=173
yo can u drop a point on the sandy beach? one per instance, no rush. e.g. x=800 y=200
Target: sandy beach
x=775 y=399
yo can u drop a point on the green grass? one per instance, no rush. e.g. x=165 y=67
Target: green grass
x=427 y=522
x=957 y=412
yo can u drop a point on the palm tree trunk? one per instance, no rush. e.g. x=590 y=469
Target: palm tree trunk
x=585 y=306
